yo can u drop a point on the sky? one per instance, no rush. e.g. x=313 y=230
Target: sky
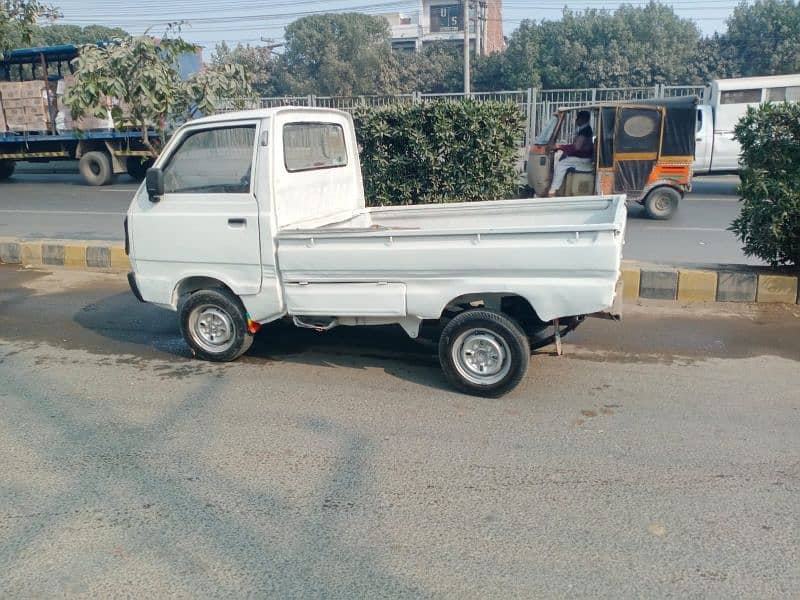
x=208 y=22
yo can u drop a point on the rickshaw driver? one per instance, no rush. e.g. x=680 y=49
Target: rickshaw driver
x=576 y=155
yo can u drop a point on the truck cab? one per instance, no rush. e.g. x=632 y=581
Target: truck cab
x=728 y=100
x=255 y=216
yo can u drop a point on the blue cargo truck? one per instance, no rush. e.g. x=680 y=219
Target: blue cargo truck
x=34 y=128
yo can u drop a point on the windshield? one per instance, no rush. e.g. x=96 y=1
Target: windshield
x=544 y=136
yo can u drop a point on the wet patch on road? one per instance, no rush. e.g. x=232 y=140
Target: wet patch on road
x=97 y=313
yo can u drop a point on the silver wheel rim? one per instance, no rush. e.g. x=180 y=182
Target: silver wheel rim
x=211 y=328
x=481 y=357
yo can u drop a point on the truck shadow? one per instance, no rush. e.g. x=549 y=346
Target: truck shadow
x=150 y=332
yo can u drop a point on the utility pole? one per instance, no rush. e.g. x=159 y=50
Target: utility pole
x=465 y=20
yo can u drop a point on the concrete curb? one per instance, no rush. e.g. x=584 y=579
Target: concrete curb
x=712 y=283
x=75 y=254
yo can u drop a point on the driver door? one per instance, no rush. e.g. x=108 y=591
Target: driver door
x=207 y=221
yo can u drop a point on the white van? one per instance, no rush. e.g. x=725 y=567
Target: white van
x=716 y=151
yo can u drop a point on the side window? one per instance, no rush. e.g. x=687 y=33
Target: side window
x=308 y=146
x=699 y=121
x=781 y=94
x=212 y=161
x=740 y=96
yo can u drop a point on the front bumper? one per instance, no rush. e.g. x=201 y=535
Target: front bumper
x=134 y=286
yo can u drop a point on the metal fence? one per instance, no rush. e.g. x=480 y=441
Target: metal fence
x=536 y=105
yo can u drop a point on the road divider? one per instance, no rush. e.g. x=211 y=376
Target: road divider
x=714 y=283
x=75 y=254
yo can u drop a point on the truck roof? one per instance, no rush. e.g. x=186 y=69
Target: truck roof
x=264 y=113
x=741 y=83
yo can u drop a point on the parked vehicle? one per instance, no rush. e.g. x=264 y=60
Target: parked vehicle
x=36 y=126
x=643 y=149
x=717 y=151
x=250 y=217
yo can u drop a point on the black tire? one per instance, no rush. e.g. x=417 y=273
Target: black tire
x=209 y=314
x=662 y=203
x=96 y=168
x=137 y=168
x=6 y=169
x=497 y=338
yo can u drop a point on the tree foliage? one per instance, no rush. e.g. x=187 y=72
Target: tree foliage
x=259 y=61
x=349 y=54
x=18 y=20
x=60 y=33
x=141 y=73
x=438 y=68
x=630 y=46
x=769 y=222
x=765 y=37
x=331 y=54
x=439 y=151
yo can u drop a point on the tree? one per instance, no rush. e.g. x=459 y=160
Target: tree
x=54 y=35
x=438 y=68
x=769 y=222
x=713 y=59
x=765 y=37
x=141 y=73
x=259 y=61
x=521 y=62
x=631 y=46
x=18 y=21
x=337 y=54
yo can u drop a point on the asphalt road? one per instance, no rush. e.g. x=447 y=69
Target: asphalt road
x=658 y=458
x=59 y=206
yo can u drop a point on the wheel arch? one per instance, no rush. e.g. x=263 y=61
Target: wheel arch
x=195 y=283
x=509 y=303
x=659 y=185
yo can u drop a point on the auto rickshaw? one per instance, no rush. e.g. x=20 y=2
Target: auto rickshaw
x=642 y=148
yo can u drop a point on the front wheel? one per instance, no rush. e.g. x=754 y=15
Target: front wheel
x=214 y=324
x=661 y=203
x=484 y=353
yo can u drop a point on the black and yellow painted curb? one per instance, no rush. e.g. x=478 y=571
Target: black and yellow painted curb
x=64 y=253
x=717 y=283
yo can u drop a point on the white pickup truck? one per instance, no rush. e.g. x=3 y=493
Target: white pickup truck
x=254 y=216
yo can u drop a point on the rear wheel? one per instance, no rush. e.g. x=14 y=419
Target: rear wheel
x=214 y=324
x=661 y=203
x=6 y=169
x=484 y=353
x=96 y=168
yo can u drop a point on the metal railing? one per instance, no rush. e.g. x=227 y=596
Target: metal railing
x=536 y=105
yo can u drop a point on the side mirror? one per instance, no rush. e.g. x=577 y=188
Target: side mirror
x=154 y=182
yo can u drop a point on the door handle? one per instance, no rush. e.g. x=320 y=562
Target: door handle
x=237 y=223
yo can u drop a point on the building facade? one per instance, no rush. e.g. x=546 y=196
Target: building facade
x=443 y=21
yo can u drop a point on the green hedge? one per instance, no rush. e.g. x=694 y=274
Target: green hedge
x=769 y=223
x=441 y=151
